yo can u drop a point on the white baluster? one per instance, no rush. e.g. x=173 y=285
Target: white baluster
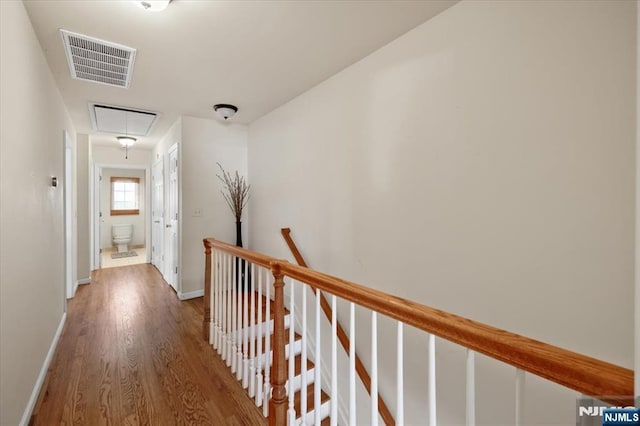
x=471 y=388
x=245 y=330
x=352 y=364
x=252 y=324
x=234 y=317
x=217 y=304
x=260 y=356
x=239 y=329
x=292 y=411
x=226 y=314
x=215 y=308
x=267 y=364
x=212 y=297
x=221 y=298
x=400 y=377
x=221 y=295
x=303 y=389
x=317 y=385
x=432 y=380
x=519 y=397
x=374 y=368
x=334 y=363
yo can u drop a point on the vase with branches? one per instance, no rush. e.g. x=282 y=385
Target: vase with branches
x=236 y=194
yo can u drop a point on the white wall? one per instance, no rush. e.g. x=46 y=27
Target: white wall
x=483 y=164
x=138 y=221
x=205 y=143
x=115 y=155
x=201 y=143
x=32 y=304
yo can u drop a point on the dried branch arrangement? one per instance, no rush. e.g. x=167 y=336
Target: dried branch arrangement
x=235 y=192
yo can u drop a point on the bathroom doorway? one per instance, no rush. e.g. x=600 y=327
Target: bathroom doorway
x=121 y=231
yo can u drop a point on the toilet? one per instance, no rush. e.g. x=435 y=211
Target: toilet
x=121 y=235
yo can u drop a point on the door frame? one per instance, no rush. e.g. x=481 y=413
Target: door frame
x=69 y=214
x=96 y=172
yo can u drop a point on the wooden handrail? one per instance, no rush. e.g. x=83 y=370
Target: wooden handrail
x=590 y=376
x=251 y=256
x=383 y=409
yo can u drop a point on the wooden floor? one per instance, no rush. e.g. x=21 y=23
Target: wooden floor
x=131 y=353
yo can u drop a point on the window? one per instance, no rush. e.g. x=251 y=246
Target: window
x=124 y=195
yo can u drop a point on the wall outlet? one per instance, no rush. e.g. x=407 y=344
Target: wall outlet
x=197 y=213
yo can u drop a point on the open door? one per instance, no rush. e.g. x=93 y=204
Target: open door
x=172 y=260
x=157 y=215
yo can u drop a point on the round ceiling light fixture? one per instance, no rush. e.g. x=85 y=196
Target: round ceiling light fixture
x=154 y=5
x=225 y=111
x=126 y=141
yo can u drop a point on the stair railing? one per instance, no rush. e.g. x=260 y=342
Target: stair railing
x=589 y=376
x=361 y=370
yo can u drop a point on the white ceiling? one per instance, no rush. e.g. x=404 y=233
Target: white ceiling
x=256 y=55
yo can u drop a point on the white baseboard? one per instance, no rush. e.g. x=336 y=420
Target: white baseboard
x=43 y=373
x=190 y=295
x=83 y=281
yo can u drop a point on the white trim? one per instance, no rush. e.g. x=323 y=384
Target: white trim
x=26 y=416
x=83 y=281
x=69 y=209
x=190 y=295
x=74 y=289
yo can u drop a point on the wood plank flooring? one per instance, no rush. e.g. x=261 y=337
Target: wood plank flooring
x=131 y=353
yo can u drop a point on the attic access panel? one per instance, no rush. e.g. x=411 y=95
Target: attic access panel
x=121 y=121
x=98 y=61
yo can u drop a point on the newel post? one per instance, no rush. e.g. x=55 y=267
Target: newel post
x=278 y=401
x=206 y=321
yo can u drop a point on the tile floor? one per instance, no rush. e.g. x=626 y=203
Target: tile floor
x=108 y=262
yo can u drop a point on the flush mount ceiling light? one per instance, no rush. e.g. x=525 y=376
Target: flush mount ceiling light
x=153 y=5
x=126 y=141
x=225 y=111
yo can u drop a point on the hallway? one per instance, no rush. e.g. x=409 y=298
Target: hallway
x=132 y=353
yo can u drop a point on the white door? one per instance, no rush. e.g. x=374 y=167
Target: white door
x=157 y=215
x=172 y=221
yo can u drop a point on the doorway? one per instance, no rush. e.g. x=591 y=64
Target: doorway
x=121 y=231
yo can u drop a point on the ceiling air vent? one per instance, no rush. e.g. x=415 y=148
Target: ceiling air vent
x=99 y=61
